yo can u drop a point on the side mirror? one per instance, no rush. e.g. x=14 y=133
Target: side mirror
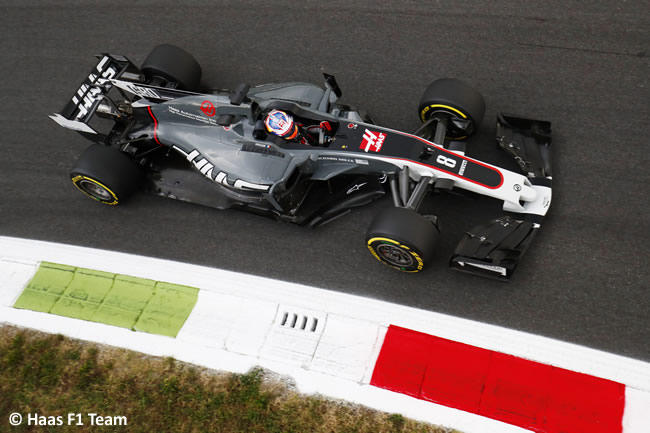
x=330 y=83
x=238 y=95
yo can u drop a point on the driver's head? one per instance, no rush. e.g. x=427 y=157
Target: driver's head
x=281 y=124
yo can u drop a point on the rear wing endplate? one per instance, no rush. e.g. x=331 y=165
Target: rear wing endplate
x=82 y=106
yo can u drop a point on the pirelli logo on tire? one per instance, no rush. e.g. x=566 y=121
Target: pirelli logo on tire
x=95 y=189
x=395 y=254
x=440 y=107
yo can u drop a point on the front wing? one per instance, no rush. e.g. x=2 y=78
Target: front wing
x=494 y=249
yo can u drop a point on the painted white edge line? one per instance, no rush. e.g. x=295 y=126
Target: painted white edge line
x=636 y=418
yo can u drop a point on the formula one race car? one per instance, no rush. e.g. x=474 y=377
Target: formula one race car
x=290 y=151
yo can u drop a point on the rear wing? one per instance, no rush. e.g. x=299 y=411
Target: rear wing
x=84 y=103
x=111 y=72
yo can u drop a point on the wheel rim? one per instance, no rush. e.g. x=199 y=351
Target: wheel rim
x=95 y=190
x=394 y=255
x=451 y=134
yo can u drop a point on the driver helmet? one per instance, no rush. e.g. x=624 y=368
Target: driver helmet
x=280 y=123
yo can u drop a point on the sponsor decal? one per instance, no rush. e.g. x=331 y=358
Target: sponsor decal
x=193 y=116
x=498 y=269
x=145 y=92
x=208 y=108
x=88 y=94
x=375 y=244
x=352 y=126
x=139 y=90
x=343 y=159
x=356 y=187
x=463 y=165
x=207 y=169
x=335 y=158
x=372 y=141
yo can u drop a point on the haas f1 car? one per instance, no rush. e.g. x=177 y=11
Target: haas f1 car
x=292 y=152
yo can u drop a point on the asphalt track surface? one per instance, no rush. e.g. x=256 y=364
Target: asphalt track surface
x=582 y=65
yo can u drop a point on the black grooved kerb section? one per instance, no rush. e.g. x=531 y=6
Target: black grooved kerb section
x=299 y=321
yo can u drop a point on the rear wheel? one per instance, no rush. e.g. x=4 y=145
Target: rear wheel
x=402 y=239
x=168 y=63
x=106 y=174
x=455 y=100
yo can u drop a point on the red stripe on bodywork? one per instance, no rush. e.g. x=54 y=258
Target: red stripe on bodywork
x=456 y=174
x=507 y=388
x=155 y=125
x=442 y=149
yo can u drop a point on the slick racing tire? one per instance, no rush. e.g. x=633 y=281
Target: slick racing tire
x=458 y=101
x=173 y=64
x=402 y=239
x=105 y=174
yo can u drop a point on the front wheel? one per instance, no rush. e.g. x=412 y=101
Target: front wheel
x=455 y=100
x=402 y=239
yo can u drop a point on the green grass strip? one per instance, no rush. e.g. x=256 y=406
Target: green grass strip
x=135 y=303
x=52 y=375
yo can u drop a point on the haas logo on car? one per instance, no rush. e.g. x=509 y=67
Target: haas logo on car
x=145 y=92
x=207 y=170
x=87 y=95
x=372 y=141
x=208 y=108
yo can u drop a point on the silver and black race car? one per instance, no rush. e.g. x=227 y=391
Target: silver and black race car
x=153 y=128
